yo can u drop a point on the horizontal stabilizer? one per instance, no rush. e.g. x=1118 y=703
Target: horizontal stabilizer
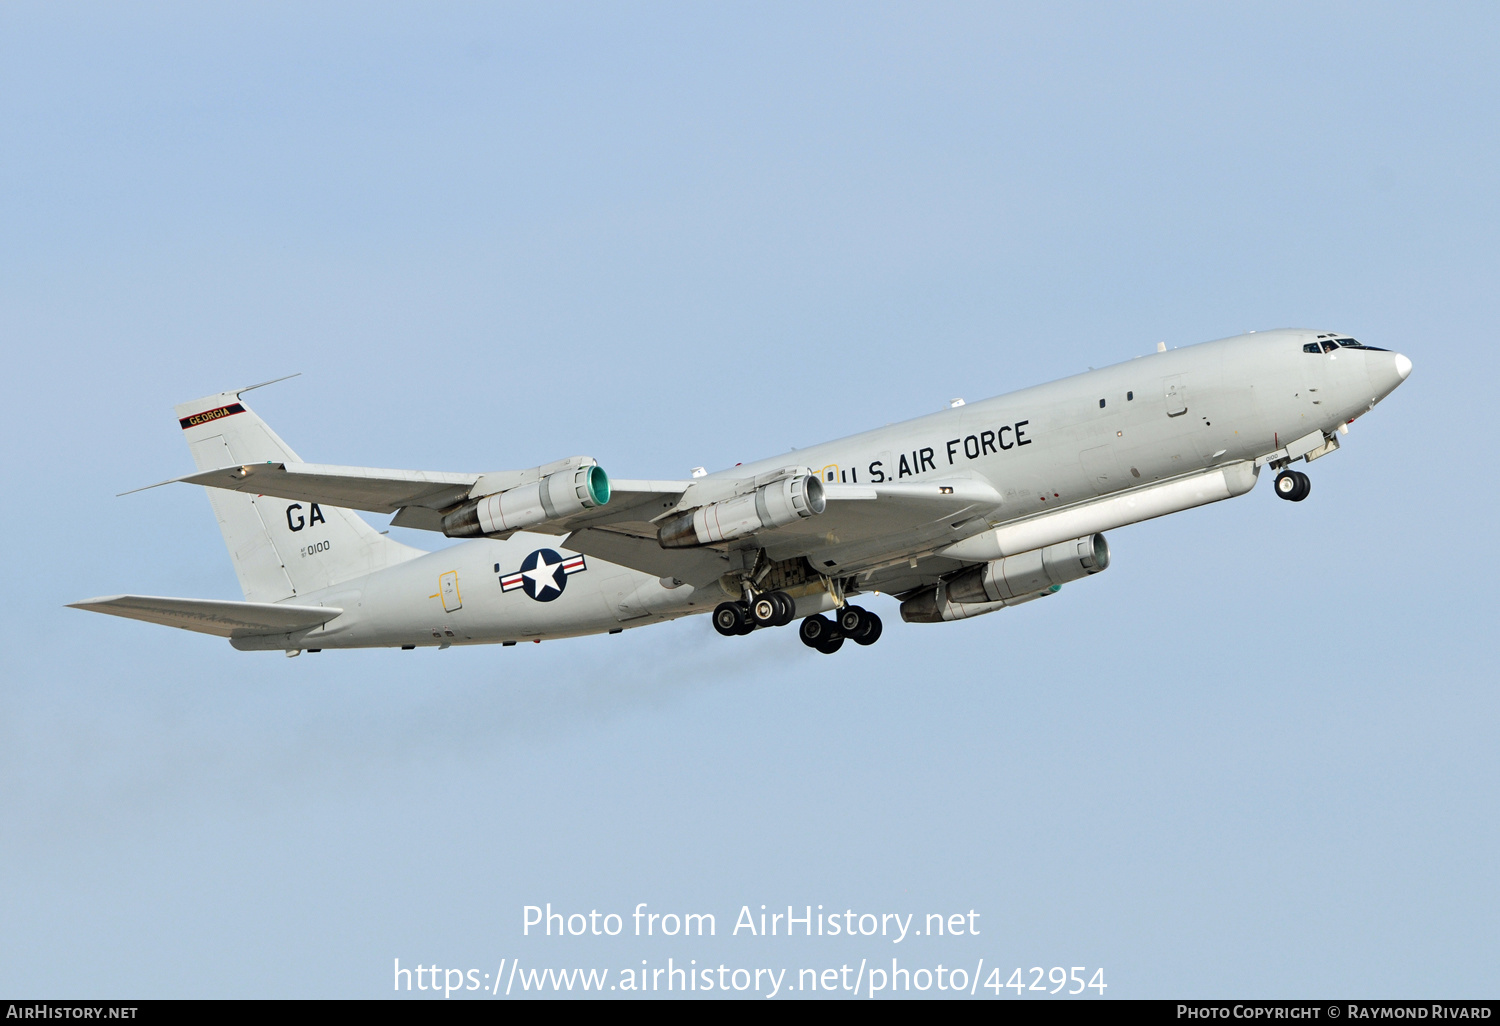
x=212 y=616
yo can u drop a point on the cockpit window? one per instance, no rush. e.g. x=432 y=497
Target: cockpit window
x=1329 y=347
x=1350 y=343
x=1311 y=347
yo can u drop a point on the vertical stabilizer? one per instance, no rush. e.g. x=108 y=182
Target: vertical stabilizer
x=280 y=548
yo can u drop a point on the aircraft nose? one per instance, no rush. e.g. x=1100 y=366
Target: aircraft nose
x=1387 y=371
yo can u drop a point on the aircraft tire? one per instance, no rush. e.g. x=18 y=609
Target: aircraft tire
x=1287 y=485
x=851 y=620
x=817 y=630
x=1304 y=488
x=788 y=608
x=871 y=632
x=765 y=611
x=831 y=646
x=729 y=619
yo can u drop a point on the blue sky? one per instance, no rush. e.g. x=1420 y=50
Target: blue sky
x=1255 y=758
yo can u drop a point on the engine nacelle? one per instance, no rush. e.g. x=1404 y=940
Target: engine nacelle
x=935 y=606
x=556 y=495
x=773 y=505
x=1027 y=573
x=1009 y=581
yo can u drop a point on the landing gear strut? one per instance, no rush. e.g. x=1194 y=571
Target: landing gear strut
x=1293 y=485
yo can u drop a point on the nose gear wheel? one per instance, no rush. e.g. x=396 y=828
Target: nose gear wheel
x=1293 y=485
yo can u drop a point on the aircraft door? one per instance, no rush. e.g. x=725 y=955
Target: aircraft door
x=449 y=591
x=1176 y=392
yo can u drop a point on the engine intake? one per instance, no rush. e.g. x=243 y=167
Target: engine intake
x=772 y=505
x=556 y=495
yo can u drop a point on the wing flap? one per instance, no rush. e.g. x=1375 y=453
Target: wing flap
x=635 y=546
x=212 y=616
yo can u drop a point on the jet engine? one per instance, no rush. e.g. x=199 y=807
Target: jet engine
x=1009 y=581
x=1027 y=573
x=556 y=495
x=773 y=505
x=934 y=605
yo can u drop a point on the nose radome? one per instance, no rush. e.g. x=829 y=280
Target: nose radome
x=1403 y=366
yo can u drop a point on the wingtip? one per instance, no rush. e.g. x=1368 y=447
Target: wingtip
x=89 y=604
x=147 y=488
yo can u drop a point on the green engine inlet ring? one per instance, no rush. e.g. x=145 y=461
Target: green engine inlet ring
x=598 y=485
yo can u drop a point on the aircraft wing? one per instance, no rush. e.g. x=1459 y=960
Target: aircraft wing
x=634 y=545
x=629 y=502
x=212 y=616
x=367 y=488
x=861 y=525
x=866 y=522
x=417 y=497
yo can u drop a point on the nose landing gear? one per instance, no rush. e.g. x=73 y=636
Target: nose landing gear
x=1293 y=485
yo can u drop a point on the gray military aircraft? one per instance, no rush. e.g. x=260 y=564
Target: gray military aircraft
x=962 y=512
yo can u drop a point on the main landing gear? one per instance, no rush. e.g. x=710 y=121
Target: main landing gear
x=777 y=609
x=1293 y=485
x=773 y=609
x=827 y=636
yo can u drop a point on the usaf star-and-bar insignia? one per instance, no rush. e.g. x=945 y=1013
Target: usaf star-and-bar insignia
x=543 y=574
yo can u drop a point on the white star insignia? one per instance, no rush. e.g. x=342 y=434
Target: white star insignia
x=543 y=575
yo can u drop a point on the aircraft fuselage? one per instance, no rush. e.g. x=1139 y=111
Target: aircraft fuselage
x=1119 y=429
